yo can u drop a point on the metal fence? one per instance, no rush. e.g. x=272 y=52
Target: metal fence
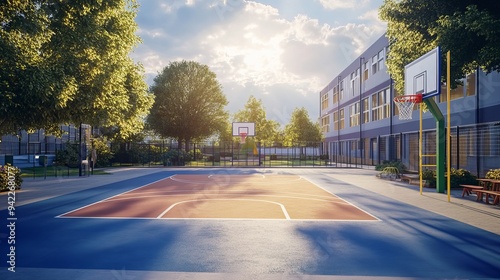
x=214 y=153
x=475 y=148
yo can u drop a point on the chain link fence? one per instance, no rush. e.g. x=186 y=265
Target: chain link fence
x=475 y=148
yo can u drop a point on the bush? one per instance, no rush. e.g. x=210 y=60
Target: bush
x=458 y=177
x=7 y=170
x=389 y=172
x=104 y=153
x=135 y=153
x=68 y=156
x=493 y=174
x=199 y=155
x=462 y=177
x=398 y=164
x=144 y=153
x=429 y=176
x=177 y=157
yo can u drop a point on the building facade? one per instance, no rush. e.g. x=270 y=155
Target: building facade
x=361 y=125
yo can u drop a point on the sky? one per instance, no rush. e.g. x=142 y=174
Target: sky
x=283 y=52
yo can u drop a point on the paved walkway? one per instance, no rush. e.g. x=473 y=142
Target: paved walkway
x=466 y=210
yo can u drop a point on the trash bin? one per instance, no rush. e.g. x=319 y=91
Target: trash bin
x=9 y=159
x=42 y=160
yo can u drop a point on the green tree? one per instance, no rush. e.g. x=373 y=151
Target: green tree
x=189 y=102
x=254 y=111
x=302 y=129
x=67 y=62
x=469 y=29
x=23 y=75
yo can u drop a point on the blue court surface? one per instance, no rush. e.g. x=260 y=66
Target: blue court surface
x=406 y=242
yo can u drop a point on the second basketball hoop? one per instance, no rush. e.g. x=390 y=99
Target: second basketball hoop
x=243 y=130
x=405 y=104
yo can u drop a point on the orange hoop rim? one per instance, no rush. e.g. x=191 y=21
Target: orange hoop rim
x=413 y=98
x=243 y=135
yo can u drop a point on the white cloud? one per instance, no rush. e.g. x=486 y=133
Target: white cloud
x=371 y=15
x=343 y=4
x=255 y=51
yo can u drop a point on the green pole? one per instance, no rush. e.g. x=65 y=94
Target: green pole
x=440 y=144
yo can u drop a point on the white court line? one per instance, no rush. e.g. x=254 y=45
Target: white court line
x=102 y=200
x=332 y=200
x=283 y=209
x=342 y=199
x=221 y=219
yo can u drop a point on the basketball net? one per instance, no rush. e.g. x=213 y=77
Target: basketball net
x=243 y=136
x=405 y=105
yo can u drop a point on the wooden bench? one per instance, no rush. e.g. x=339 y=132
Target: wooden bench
x=495 y=195
x=468 y=188
x=412 y=179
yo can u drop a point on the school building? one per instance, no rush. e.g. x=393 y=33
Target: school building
x=361 y=125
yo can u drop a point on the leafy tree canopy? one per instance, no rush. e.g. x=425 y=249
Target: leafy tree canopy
x=302 y=129
x=189 y=102
x=67 y=62
x=265 y=130
x=469 y=29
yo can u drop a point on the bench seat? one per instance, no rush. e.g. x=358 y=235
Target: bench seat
x=494 y=194
x=468 y=188
x=412 y=179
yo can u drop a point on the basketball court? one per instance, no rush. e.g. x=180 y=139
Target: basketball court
x=257 y=196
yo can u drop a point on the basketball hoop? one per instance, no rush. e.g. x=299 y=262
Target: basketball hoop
x=405 y=105
x=243 y=136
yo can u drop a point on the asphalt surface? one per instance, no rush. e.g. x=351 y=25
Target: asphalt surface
x=416 y=237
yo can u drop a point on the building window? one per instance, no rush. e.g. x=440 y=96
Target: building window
x=335 y=94
x=354 y=82
x=324 y=101
x=341 y=93
x=325 y=124
x=378 y=62
x=336 y=120
x=381 y=102
x=342 y=119
x=467 y=88
x=366 y=110
x=387 y=103
x=354 y=114
x=365 y=71
x=470 y=86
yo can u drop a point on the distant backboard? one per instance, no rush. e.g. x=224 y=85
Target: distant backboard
x=243 y=127
x=423 y=74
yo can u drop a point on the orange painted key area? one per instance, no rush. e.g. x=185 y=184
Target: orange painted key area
x=226 y=197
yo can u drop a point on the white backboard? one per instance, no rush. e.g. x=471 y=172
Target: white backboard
x=243 y=127
x=423 y=74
